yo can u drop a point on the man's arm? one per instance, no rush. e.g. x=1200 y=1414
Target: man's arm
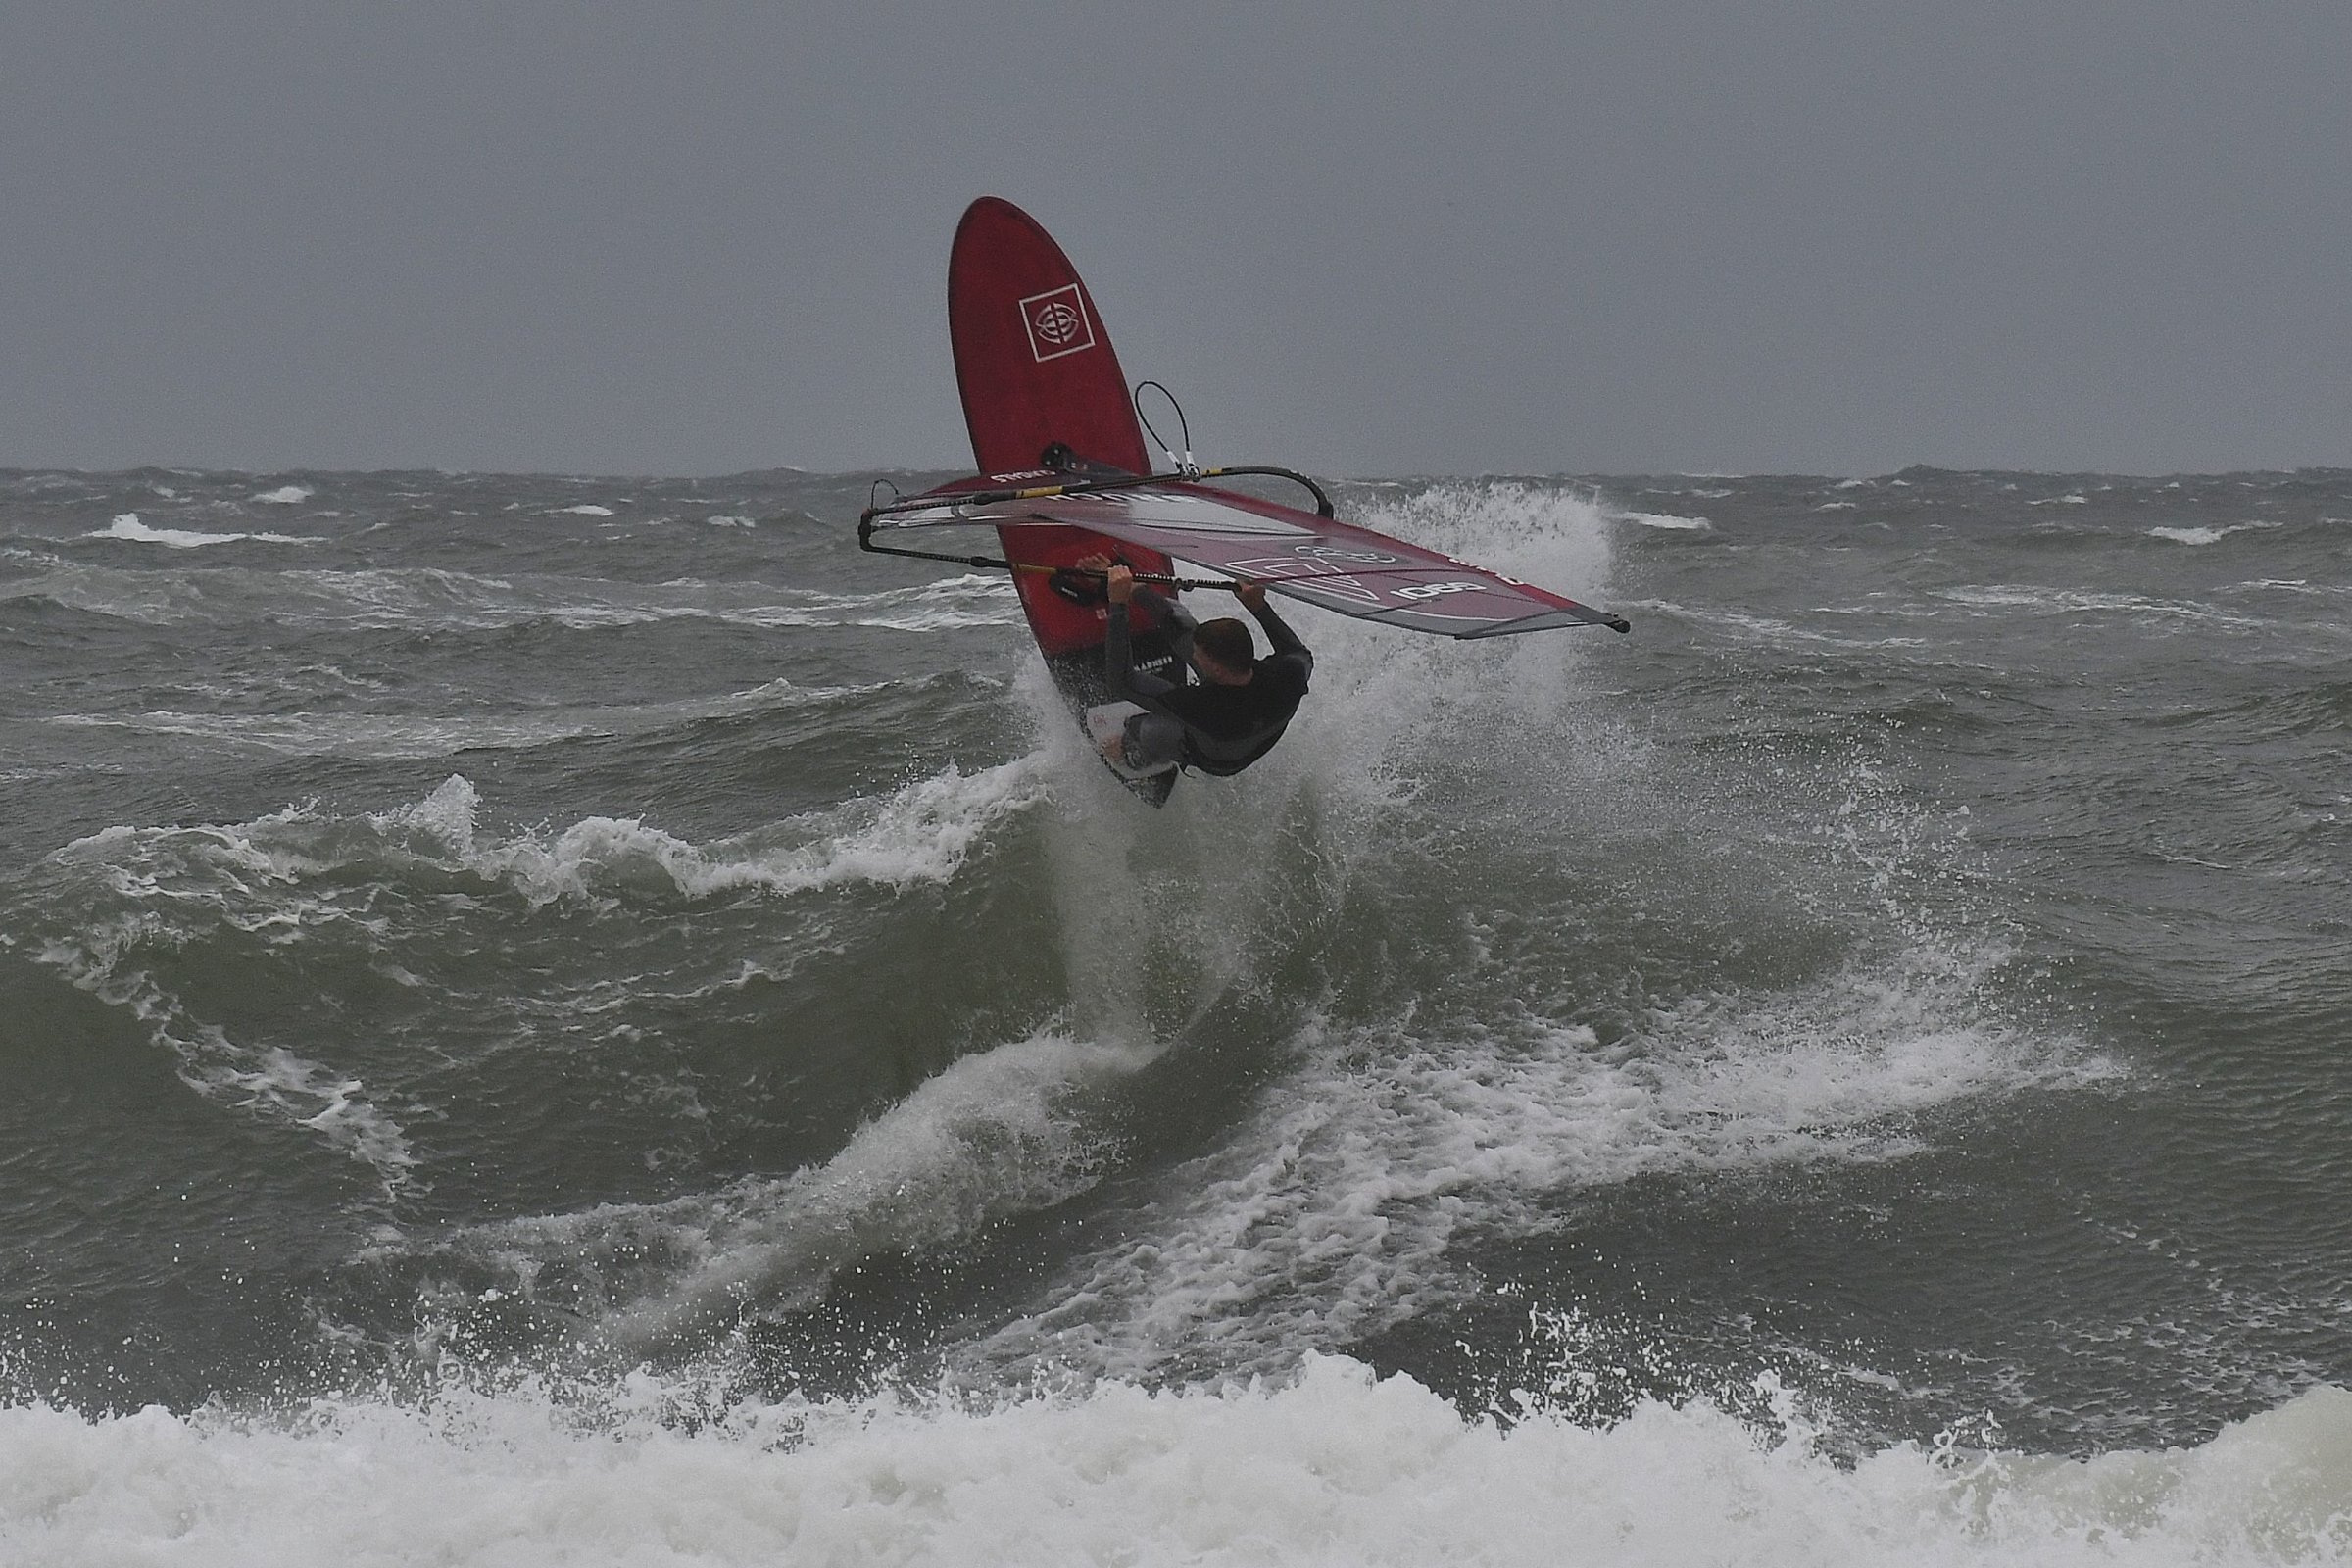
x=1285 y=641
x=1177 y=622
x=1119 y=654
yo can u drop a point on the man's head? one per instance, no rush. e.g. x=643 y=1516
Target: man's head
x=1224 y=653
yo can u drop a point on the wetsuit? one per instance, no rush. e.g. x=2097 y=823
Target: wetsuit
x=1213 y=728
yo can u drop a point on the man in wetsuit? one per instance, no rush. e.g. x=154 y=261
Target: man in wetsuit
x=1241 y=703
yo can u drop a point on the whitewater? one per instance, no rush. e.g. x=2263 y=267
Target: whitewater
x=554 y=1019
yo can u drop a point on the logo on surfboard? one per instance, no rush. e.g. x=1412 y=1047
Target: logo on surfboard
x=1057 y=323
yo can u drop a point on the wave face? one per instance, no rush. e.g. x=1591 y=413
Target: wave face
x=559 y=1018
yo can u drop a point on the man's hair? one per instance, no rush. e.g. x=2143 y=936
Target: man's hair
x=1227 y=641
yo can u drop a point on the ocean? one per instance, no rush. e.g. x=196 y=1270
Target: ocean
x=579 y=1020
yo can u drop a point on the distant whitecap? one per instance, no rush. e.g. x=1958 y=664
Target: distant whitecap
x=1663 y=520
x=127 y=526
x=285 y=495
x=2206 y=535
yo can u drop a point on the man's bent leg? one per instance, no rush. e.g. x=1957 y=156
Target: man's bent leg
x=1152 y=739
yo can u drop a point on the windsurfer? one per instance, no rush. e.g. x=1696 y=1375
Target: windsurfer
x=1239 y=706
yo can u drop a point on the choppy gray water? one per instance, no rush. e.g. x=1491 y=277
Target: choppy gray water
x=540 y=941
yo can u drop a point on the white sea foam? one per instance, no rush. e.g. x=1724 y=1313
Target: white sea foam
x=436 y=599
x=351 y=734
x=2079 y=601
x=286 y=495
x=1386 y=701
x=920 y=833
x=162 y=885
x=162 y=879
x=1660 y=519
x=1335 y=1467
x=999 y=1132
x=129 y=527
x=2207 y=536
x=360 y=734
x=2300 y=585
x=1519 y=527
x=586 y=510
x=140 y=891
x=1328 y=1212
x=1772 y=632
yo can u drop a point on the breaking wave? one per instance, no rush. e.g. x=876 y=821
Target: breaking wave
x=1333 y=1466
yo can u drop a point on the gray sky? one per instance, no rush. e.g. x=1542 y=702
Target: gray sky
x=1712 y=235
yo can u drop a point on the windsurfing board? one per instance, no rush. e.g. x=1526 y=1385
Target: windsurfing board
x=1105 y=721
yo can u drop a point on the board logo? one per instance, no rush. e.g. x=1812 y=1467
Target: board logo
x=1368 y=558
x=1058 y=324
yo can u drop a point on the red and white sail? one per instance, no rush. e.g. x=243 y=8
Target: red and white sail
x=1336 y=566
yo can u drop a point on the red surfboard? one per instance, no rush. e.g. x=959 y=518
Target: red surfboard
x=1043 y=396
